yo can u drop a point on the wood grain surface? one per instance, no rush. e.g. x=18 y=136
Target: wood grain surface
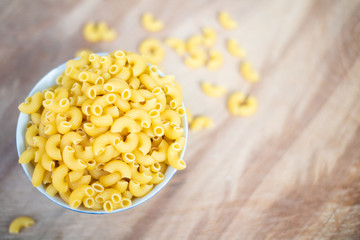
x=292 y=171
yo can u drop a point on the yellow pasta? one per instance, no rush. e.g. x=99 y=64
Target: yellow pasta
x=152 y=50
x=20 y=222
x=248 y=72
x=150 y=23
x=196 y=59
x=234 y=49
x=201 y=122
x=215 y=60
x=99 y=32
x=226 y=21
x=240 y=105
x=212 y=90
x=101 y=136
x=177 y=44
x=209 y=36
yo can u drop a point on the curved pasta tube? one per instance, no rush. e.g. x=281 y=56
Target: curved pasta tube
x=32 y=104
x=239 y=105
x=125 y=123
x=47 y=162
x=94 y=90
x=172 y=131
x=215 y=60
x=194 y=42
x=84 y=180
x=142 y=178
x=171 y=116
x=52 y=147
x=101 y=102
x=234 y=48
x=39 y=142
x=175 y=95
x=38 y=175
x=212 y=90
x=161 y=154
x=57 y=107
x=157 y=178
x=75 y=117
x=147 y=105
x=47 y=177
x=150 y=23
x=201 y=122
x=102 y=121
x=209 y=36
x=129 y=144
x=31 y=132
x=138 y=64
x=70 y=138
x=109 y=153
x=118 y=86
x=83 y=152
x=139 y=115
x=121 y=185
x=112 y=110
x=104 y=140
x=226 y=21
x=75 y=175
x=155 y=167
x=144 y=144
x=157 y=124
x=70 y=160
x=107 y=34
x=139 y=190
x=128 y=157
x=108 y=194
x=91 y=33
x=89 y=202
x=248 y=72
x=50 y=190
x=20 y=222
x=177 y=44
x=173 y=154
x=58 y=178
x=93 y=130
x=77 y=196
x=122 y=104
x=134 y=83
x=161 y=98
x=110 y=179
x=124 y=73
x=147 y=81
x=120 y=58
x=97 y=187
x=27 y=156
x=152 y=50
x=143 y=159
x=86 y=107
x=118 y=166
x=36 y=118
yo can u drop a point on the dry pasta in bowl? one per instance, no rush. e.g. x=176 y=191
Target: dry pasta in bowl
x=102 y=133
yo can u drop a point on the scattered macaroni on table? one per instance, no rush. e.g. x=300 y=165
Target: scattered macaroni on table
x=150 y=23
x=20 y=222
x=212 y=90
x=106 y=132
x=240 y=105
x=201 y=122
x=234 y=48
x=226 y=21
x=248 y=72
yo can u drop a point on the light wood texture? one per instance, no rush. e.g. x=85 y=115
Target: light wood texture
x=292 y=171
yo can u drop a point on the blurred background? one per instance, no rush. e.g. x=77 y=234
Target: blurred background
x=290 y=171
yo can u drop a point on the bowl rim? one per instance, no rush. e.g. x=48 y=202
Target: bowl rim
x=23 y=119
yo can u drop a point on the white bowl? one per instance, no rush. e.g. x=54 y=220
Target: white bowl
x=47 y=81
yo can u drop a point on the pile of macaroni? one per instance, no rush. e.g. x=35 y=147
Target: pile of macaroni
x=106 y=132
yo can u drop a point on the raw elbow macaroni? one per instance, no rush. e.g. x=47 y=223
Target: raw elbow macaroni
x=226 y=21
x=240 y=105
x=99 y=32
x=213 y=91
x=20 y=222
x=114 y=141
x=150 y=23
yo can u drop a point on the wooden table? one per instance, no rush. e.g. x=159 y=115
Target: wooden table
x=292 y=171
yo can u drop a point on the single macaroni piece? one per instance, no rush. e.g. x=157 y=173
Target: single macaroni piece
x=150 y=23
x=215 y=60
x=196 y=59
x=20 y=222
x=194 y=42
x=152 y=50
x=226 y=21
x=209 y=36
x=99 y=32
x=240 y=105
x=248 y=72
x=189 y=116
x=32 y=104
x=234 y=48
x=177 y=44
x=201 y=122
x=212 y=90
x=107 y=132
